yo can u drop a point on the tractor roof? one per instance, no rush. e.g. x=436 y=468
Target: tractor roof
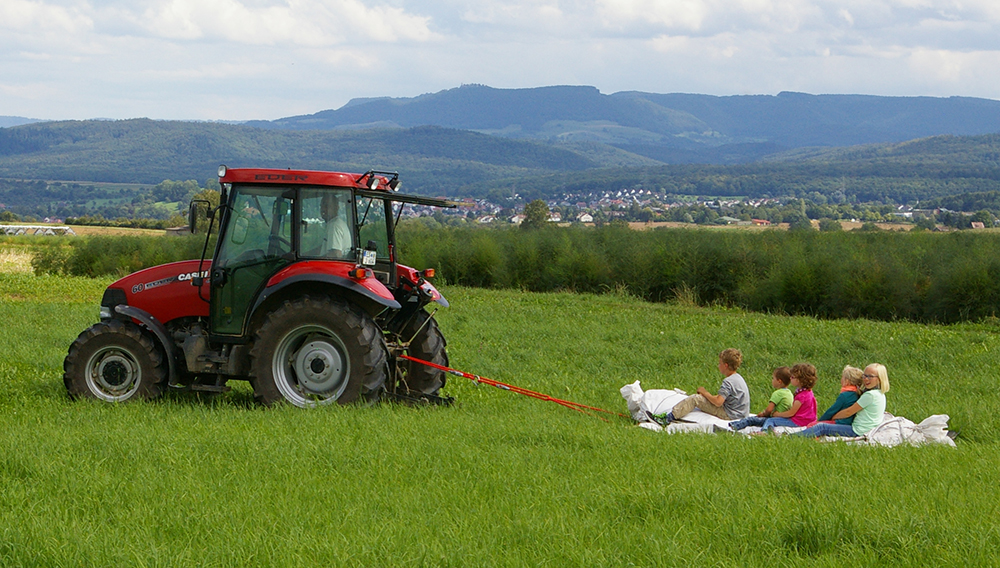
x=372 y=183
x=304 y=177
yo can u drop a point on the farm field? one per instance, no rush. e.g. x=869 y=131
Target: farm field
x=498 y=479
x=88 y=230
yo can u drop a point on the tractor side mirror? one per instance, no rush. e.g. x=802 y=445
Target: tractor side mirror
x=193 y=213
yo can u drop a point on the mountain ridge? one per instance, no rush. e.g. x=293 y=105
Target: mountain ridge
x=654 y=123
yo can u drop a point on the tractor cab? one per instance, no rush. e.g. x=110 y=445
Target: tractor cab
x=341 y=225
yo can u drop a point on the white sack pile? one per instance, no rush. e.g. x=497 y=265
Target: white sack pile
x=893 y=431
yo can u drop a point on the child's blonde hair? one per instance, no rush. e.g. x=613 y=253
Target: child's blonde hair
x=732 y=358
x=855 y=376
x=883 y=377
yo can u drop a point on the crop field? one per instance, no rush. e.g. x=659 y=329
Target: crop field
x=87 y=230
x=498 y=479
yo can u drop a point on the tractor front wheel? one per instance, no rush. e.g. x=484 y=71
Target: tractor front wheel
x=114 y=361
x=316 y=351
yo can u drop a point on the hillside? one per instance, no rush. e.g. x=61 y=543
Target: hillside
x=911 y=171
x=434 y=160
x=431 y=159
x=671 y=128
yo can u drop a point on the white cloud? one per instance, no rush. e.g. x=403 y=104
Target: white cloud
x=707 y=17
x=951 y=67
x=512 y=13
x=41 y=17
x=291 y=22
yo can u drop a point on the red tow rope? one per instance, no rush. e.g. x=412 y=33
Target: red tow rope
x=540 y=396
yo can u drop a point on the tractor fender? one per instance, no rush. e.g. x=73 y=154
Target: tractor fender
x=158 y=329
x=329 y=279
x=433 y=292
x=413 y=277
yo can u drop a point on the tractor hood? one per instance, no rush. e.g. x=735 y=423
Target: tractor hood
x=165 y=291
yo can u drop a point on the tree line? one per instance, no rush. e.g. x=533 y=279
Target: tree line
x=923 y=276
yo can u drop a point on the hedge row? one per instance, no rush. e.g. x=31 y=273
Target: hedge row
x=928 y=277
x=112 y=255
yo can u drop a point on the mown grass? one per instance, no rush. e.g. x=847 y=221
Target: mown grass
x=499 y=479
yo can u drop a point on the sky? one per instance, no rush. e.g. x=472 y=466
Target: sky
x=267 y=59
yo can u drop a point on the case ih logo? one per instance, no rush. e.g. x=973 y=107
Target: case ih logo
x=190 y=275
x=183 y=277
x=280 y=177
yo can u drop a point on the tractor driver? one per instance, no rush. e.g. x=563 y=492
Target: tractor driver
x=337 y=242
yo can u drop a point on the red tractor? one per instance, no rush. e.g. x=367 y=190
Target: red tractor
x=303 y=298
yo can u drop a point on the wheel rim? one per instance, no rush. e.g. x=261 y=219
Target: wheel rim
x=311 y=366
x=113 y=374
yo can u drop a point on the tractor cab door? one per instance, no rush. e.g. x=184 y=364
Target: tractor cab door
x=256 y=242
x=375 y=225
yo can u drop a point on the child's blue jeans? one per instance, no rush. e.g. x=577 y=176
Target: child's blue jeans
x=772 y=422
x=824 y=429
x=748 y=421
x=764 y=423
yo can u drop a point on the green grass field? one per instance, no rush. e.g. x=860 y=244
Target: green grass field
x=499 y=479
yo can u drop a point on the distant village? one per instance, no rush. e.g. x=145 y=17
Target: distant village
x=637 y=205
x=646 y=206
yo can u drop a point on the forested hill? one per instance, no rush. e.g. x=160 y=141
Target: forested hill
x=918 y=170
x=147 y=151
x=672 y=128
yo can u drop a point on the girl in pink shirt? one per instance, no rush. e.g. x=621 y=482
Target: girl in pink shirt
x=803 y=410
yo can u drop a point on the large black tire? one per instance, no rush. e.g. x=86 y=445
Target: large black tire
x=316 y=351
x=114 y=361
x=427 y=345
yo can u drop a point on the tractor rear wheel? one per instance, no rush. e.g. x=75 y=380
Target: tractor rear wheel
x=315 y=351
x=114 y=361
x=427 y=345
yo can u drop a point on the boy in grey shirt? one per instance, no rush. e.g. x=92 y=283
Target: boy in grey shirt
x=732 y=402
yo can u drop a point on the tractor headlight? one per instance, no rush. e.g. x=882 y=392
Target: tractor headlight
x=222 y=171
x=105 y=312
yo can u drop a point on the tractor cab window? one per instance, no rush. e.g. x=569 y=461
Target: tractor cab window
x=372 y=225
x=259 y=227
x=327 y=226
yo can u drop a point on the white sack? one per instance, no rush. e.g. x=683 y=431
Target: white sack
x=660 y=401
x=896 y=430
